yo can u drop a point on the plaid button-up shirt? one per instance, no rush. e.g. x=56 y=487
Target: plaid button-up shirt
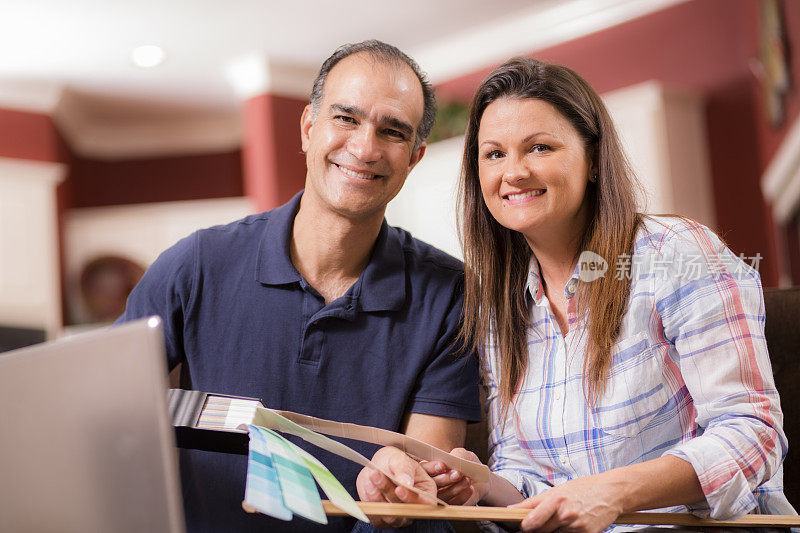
x=690 y=377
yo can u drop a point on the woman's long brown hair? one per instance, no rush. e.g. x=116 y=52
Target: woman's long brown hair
x=497 y=258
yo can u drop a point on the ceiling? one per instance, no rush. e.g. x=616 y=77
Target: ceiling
x=86 y=44
x=72 y=58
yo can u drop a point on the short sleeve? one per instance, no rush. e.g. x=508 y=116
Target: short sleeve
x=713 y=314
x=166 y=290
x=448 y=386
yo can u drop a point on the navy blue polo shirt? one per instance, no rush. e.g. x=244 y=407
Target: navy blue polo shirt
x=243 y=321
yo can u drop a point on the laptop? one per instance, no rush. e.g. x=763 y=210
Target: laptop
x=86 y=443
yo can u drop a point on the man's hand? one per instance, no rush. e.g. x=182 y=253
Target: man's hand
x=373 y=486
x=583 y=505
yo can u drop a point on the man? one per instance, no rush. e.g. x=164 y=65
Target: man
x=319 y=306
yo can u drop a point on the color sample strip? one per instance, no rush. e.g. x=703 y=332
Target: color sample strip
x=271 y=419
x=333 y=489
x=415 y=448
x=299 y=490
x=221 y=412
x=262 y=488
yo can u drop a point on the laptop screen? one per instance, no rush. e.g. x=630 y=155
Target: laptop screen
x=86 y=443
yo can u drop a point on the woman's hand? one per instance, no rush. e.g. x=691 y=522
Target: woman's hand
x=584 y=505
x=454 y=487
x=591 y=504
x=373 y=486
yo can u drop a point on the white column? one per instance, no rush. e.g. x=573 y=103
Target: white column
x=30 y=289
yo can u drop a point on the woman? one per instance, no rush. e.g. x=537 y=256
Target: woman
x=646 y=386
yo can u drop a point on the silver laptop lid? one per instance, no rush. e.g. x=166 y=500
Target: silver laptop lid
x=85 y=439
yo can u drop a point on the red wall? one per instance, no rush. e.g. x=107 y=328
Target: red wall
x=703 y=46
x=94 y=182
x=274 y=165
x=33 y=136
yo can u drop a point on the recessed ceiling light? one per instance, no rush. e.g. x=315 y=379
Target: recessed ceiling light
x=148 y=56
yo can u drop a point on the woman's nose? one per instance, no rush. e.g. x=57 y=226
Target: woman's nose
x=515 y=170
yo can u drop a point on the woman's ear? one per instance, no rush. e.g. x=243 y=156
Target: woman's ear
x=593 y=169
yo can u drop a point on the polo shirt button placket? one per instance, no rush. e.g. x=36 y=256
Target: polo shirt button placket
x=310 y=351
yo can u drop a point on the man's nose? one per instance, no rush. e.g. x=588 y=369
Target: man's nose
x=364 y=145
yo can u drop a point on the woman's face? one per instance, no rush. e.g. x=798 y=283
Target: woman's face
x=533 y=168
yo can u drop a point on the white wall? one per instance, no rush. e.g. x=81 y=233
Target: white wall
x=663 y=133
x=138 y=232
x=426 y=206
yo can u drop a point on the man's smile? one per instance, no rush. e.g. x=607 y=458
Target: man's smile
x=357 y=174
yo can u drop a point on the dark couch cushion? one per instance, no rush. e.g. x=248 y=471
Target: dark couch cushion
x=783 y=340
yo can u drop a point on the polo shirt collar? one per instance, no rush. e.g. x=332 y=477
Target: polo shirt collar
x=274 y=265
x=382 y=284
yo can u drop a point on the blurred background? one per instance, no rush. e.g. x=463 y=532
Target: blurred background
x=125 y=126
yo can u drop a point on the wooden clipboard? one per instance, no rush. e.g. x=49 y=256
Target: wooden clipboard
x=504 y=514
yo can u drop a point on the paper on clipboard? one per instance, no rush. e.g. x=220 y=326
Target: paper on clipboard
x=270 y=419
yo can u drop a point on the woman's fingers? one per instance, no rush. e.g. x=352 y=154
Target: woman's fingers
x=527 y=503
x=582 y=505
x=540 y=516
x=433 y=468
x=457 y=494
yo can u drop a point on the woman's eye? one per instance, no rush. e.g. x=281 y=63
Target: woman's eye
x=540 y=148
x=494 y=154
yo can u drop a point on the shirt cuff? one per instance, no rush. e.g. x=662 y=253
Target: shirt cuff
x=726 y=488
x=512 y=476
x=527 y=484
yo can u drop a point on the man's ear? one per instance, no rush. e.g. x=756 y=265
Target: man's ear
x=416 y=156
x=306 y=123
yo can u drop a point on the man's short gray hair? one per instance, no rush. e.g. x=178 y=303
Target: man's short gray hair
x=388 y=54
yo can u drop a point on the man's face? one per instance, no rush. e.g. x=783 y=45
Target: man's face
x=360 y=146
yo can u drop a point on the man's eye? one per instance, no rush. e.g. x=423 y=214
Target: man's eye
x=396 y=134
x=345 y=119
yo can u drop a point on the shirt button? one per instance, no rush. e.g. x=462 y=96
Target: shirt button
x=557 y=395
x=571 y=286
x=564 y=461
